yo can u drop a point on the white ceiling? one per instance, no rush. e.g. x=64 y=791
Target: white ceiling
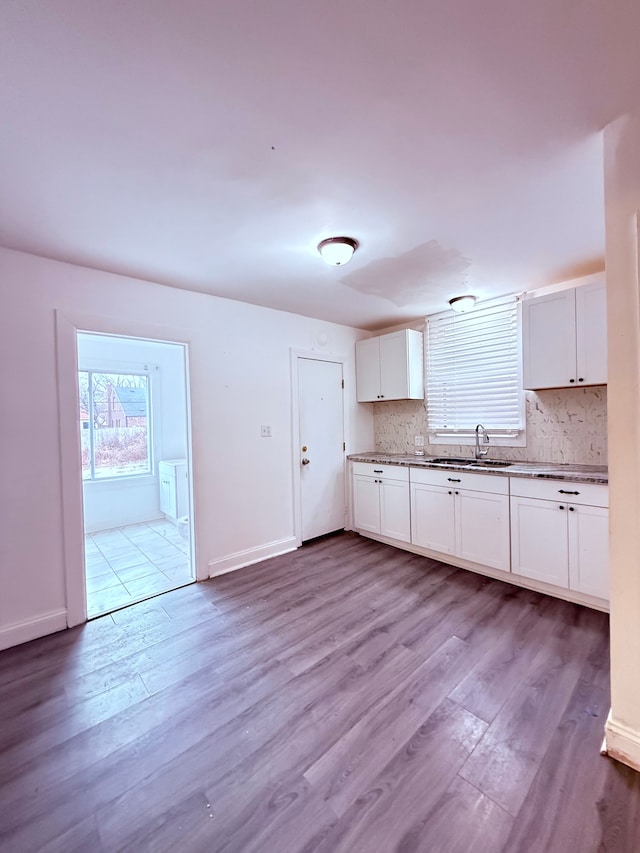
x=212 y=145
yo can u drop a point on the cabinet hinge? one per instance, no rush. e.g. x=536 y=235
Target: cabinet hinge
x=344 y=445
x=343 y=383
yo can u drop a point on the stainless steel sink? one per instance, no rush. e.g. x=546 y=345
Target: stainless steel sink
x=479 y=463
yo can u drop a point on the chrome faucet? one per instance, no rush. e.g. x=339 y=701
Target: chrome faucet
x=485 y=439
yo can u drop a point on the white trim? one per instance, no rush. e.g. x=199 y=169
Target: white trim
x=68 y=324
x=622 y=742
x=569 y=284
x=251 y=555
x=31 y=629
x=468 y=439
x=343 y=360
x=70 y=469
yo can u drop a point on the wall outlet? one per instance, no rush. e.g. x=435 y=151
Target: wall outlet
x=265 y=431
x=418 y=441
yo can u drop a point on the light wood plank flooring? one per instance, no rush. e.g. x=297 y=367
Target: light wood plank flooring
x=345 y=697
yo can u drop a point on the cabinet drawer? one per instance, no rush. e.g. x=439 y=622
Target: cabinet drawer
x=590 y=494
x=390 y=472
x=461 y=480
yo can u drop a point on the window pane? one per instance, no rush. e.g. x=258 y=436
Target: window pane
x=121 y=424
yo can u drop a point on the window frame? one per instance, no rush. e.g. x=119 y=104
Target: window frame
x=466 y=436
x=111 y=369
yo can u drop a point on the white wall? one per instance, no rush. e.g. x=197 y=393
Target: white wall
x=110 y=503
x=239 y=358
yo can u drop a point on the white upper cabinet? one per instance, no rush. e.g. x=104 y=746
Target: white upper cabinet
x=591 y=334
x=564 y=338
x=390 y=367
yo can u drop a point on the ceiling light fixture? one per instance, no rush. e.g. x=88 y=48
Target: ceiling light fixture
x=337 y=251
x=461 y=304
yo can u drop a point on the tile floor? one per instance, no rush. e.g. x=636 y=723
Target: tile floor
x=132 y=563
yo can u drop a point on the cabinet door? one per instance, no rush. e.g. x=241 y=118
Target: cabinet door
x=168 y=494
x=432 y=518
x=394 y=367
x=482 y=524
x=182 y=491
x=368 y=370
x=589 y=550
x=549 y=340
x=366 y=503
x=539 y=541
x=591 y=334
x=395 y=510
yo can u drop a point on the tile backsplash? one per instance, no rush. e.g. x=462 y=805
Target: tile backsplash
x=563 y=425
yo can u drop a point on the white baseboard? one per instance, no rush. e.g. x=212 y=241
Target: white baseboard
x=251 y=555
x=31 y=629
x=622 y=742
x=498 y=574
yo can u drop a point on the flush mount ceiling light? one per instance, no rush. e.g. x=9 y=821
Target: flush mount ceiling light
x=337 y=251
x=461 y=304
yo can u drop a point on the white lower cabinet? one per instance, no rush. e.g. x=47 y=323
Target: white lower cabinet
x=539 y=543
x=381 y=500
x=551 y=531
x=462 y=514
x=560 y=534
x=174 y=488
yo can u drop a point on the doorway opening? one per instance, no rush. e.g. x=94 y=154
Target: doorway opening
x=134 y=441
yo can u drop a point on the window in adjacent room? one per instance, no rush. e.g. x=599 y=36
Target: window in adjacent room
x=474 y=374
x=115 y=424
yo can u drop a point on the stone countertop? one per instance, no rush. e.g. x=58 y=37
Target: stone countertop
x=543 y=470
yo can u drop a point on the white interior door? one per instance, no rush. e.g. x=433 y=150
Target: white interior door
x=321 y=458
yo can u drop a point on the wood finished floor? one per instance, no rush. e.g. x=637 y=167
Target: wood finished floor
x=345 y=697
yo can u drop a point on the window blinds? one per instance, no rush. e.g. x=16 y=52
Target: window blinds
x=473 y=370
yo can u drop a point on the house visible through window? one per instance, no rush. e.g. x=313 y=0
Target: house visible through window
x=115 y=424
x=474 y=374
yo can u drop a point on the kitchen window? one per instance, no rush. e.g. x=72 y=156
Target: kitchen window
x=115 y=424
x=474 y=374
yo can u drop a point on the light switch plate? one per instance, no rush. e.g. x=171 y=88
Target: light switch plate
x=265 y=431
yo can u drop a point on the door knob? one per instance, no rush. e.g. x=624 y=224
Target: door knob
x=305 y=461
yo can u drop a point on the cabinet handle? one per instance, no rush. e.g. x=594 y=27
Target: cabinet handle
x=572 y=509
x=457 y=493
x=453 y=480
x=572 y=380
x=565 y=492
x=376 y=471
x=560 y=507
x=450 y=493
x=581 y=379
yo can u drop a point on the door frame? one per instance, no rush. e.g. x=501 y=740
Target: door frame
x=68 y=324
x=296 y=355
